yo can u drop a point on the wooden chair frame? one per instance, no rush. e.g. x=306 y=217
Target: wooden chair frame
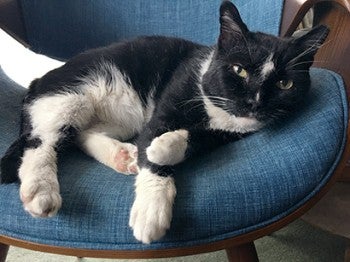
x=333 y=55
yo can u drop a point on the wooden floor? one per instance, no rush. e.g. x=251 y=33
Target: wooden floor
x=332 y=213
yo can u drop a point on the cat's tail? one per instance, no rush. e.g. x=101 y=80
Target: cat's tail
x=11 y=161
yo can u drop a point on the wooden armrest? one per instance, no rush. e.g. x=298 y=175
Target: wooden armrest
x=335 y=52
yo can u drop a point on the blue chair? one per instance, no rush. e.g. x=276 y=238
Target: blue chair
x=227 y=198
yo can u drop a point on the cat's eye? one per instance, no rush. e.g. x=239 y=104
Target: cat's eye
x=240 y=71
x=285 y=84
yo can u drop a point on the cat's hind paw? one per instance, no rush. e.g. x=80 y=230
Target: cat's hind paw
x=125 y=160
x=40 y=198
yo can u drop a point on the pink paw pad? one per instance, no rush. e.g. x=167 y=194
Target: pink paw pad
x=125 y=162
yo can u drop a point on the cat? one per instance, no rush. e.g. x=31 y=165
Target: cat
x=178 y=98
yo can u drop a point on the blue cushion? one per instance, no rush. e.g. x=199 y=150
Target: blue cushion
x=64 y=28
x=235 y=189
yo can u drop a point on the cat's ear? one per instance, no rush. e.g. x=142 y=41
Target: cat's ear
x=232 y=28
x=309 y=43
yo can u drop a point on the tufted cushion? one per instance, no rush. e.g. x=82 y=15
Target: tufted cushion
x=233 y=190
x=83 y=24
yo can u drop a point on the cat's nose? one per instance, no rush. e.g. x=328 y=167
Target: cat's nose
x=252 y=103
x=253 y=100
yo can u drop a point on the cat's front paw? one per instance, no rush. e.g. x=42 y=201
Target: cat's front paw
x=151 y=212
x=169 y=148
x=40 y=198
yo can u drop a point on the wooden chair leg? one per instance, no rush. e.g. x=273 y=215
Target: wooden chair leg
x=347 y=254
x=3 y=252
x=242 y=253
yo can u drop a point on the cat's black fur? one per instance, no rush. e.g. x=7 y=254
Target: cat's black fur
x=172 y=69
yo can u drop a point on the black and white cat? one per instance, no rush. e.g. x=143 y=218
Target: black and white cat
x=177 y=97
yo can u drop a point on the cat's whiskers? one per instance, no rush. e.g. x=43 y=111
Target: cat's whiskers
x=218 y=98
x=300 y=71
x=194 y=99
x=304 y=62
x=307 y=51
x=196 y=102
x=312 y=48
x=199 y=98
x=278 y=113
x=299 y=63
x=195 y=107
x=219 y=101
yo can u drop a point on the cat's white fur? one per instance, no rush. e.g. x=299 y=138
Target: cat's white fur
x=38 y=169
x=257 y=97
x=39 y=185
x=115 y=101
x=98 y=103
x=267 y=68
x=221 y=119
x=169 y=148
x=51 y=113
x=103 y=110
x=151 y=212
x=96 y=143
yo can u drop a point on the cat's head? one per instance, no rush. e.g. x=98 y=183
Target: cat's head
x=256 y=75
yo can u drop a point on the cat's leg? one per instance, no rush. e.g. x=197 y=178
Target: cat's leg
x=151 y=212
x=52 y=119
x=97 y=142
x=39 y=189
x=155 y=189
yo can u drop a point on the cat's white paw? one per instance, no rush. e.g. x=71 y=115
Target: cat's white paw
x=40 y=198
x=169 y=148
x=125 y=159
x=151 y=212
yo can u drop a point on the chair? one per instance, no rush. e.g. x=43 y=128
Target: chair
x=267 y=180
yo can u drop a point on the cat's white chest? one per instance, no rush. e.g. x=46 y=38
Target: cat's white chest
x=219 y=119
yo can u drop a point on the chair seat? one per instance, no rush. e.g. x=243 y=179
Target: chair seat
x=233 y=190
